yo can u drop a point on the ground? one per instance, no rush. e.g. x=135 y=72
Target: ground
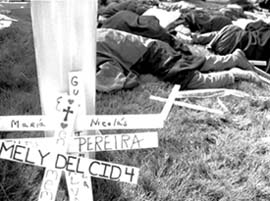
x=201 y=156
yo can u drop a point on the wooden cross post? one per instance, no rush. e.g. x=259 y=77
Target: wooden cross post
x=64 y=38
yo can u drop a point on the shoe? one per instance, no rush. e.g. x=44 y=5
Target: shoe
x=241 y=60
x=246 y=75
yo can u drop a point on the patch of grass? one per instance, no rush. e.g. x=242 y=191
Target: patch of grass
x=18 y=96
x=200 y=156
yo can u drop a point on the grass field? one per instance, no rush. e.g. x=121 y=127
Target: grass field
x=201 y=156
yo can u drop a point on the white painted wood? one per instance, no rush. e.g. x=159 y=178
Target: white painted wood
x=97 y=143
x=108 y=122
x=169 y=103
x=258 y=62
x=64 y=37
x=188 y=105
x=265 y=77
x=63 y=132
x=68 y=163
x=83 y=122
x=205 y=93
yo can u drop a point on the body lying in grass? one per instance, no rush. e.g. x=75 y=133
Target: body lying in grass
x=122 y=57
x=254 y=40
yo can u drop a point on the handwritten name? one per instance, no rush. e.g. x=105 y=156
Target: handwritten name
x=115 y=122
x=109 y=142
x=95 y=168
x=27 y=124
x=68 y=163
x=21 y=153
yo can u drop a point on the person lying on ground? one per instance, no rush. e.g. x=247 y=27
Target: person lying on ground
x=147 y=26
x=138 y=7
x=122 y=57
x=254 y=40
x=200 y=21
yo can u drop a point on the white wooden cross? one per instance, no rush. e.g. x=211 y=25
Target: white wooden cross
x=201 y=93
x=52 y=154
x=64 y=38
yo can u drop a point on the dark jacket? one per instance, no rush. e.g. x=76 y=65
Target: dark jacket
x=147 y=26
x=133 y=53
x=254 y=40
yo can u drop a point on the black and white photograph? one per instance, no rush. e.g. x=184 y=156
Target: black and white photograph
x=134 y=100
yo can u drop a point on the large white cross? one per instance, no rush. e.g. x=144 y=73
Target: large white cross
x=64 y=38
x=52 y=152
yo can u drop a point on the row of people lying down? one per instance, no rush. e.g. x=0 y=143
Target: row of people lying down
x=122 y=57
x=254 y=40
x=196 y=19
x=144 y=25
x=171 y=15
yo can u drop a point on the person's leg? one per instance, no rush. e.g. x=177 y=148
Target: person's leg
x=219 y=63
x=221 y=79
